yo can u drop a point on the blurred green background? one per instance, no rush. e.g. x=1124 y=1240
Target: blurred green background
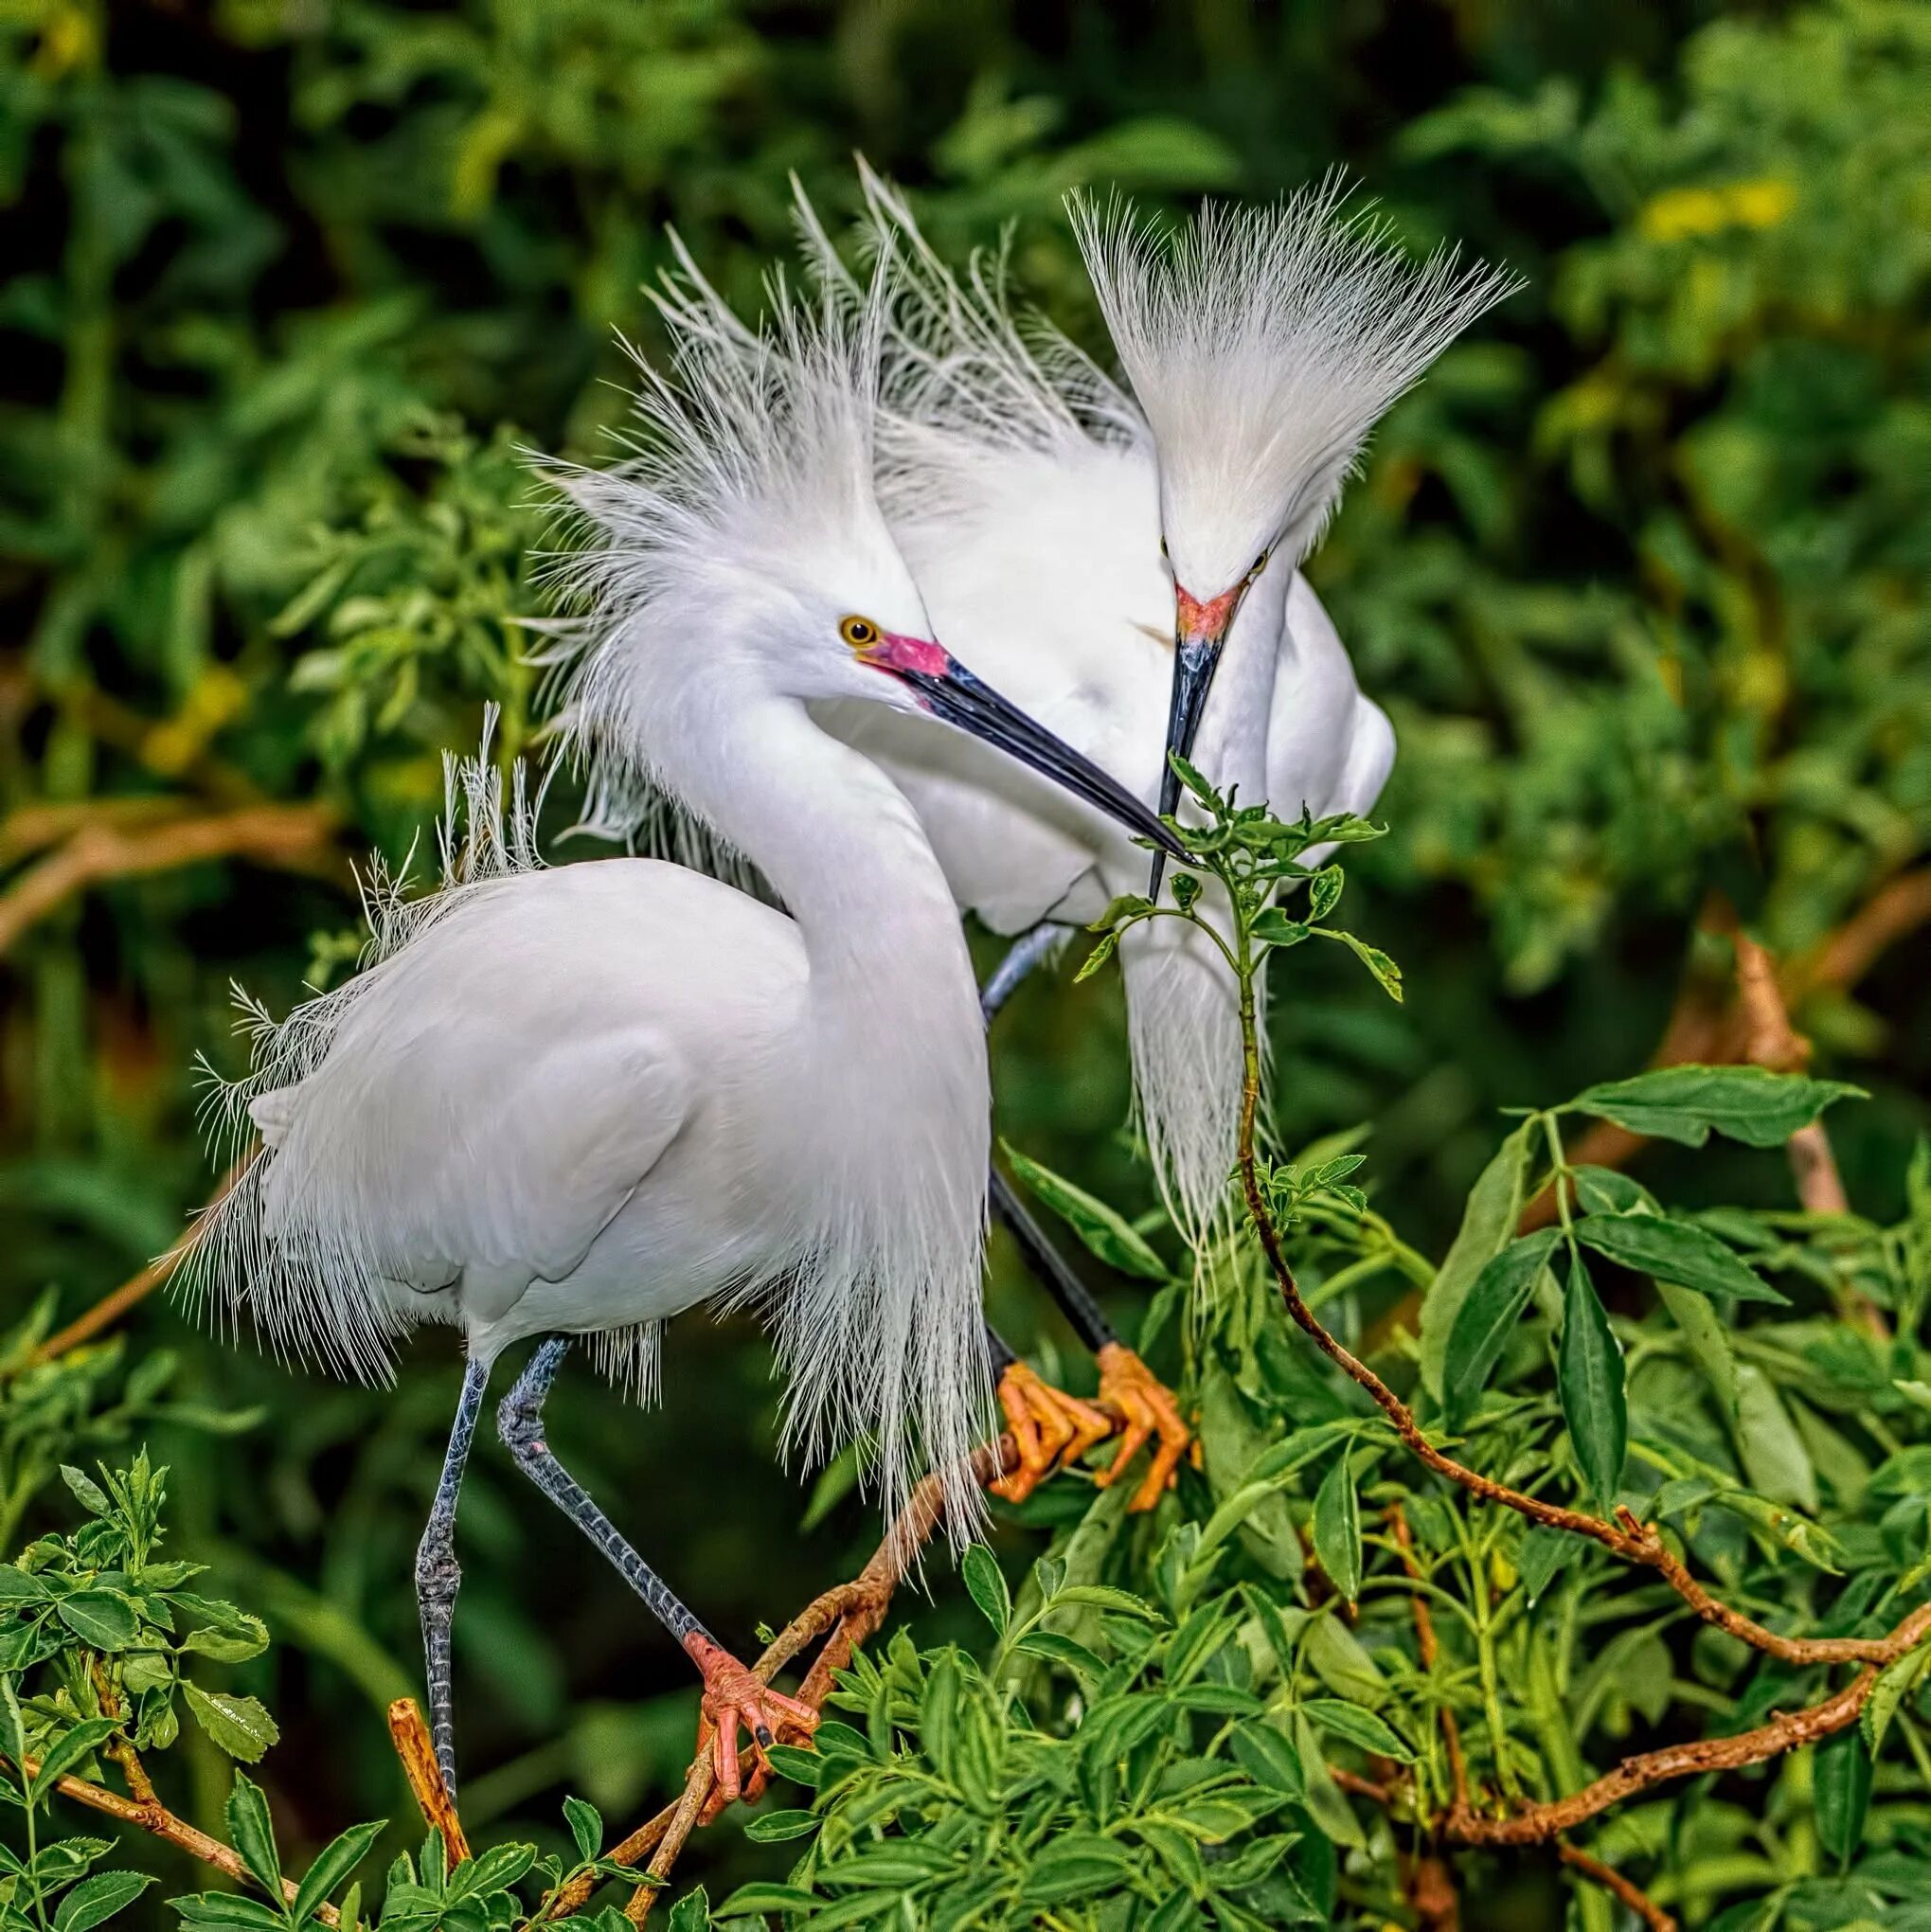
x=287 y=285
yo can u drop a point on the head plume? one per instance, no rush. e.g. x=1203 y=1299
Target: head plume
x=745 y=488
x=1263 y=344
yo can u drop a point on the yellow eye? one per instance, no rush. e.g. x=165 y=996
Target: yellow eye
x=1260 y=565
x=859 y=633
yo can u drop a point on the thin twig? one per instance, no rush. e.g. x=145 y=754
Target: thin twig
x=845 y=1614
x=295 y=838
x=1610 y=1880
x=409 y=1733
x=1537 y=1824
x=152 y=1816
x=136 y=1289
x=1634 y=1542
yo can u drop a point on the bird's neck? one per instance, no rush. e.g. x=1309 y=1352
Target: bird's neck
x=1231 y=748
x=843 y=849
x=878 y=1132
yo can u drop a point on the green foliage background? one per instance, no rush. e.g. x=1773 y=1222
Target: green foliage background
x=285 y=285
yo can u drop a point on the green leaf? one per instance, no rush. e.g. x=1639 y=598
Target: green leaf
x=1268 y=1758
x=239 y=1725
x=1075 y=1865
x=1338 y=1528
x=95 y=1900
x=1104 y=1597
x=1775 y=1464
x=986 y=1586
x=691 y=1913
x=1688 y=1104
x=1108 y=1235
x=587 y=1826
x=499 y=1868
x=1274 y=928
x=337 y=1859
x=1589 y=1376
x=1488 y=1222
x=1329 y=1809
x=1066 y=1651
x=1675 y=1251
x=1544 y=1552
x=1096 y=957
x=771 y=1827
x=1843 y=1774
x=1387 y=975
x=103 y=1619
x=88 y=1492
x=73 y=1748
x=228 y=1634
x=1708 y=1341
x=1894 y=1684
x=1359 y=1726
x=1192 y=780
x=751 y=1898
x=20 y=1587
x=12 y=1732
x=801 y=1768
x=1604 y=1190
x=251 y=1830
x=1324 y=892
x=1487 y=1318
x=229 y=1911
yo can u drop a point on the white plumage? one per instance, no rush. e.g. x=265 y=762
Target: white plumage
x=1051 y=518
x=576 y=1102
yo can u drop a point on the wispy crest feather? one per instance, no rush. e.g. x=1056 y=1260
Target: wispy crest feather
x=1262 y=345
x=751 y=451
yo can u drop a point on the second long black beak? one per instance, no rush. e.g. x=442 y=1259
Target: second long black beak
x=955 y=695
x=1200 y=631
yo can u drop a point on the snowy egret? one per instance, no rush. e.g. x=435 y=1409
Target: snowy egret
x=1063 y=525
x=572 y=1103
x=1150 y=540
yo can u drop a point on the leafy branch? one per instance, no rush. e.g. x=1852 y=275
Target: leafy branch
x=1254 y=858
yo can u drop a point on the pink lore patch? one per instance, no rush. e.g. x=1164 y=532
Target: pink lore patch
x=1210 y=619
x=894 y=653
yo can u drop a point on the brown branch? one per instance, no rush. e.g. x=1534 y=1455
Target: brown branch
x=1610 y=1880
x=1627 y=1537
x=410 y=1735
x=1896 y=910
x=845 y=1614
x=297 y=838
x=1538 y=1823
x=1773 y=1041
x=154 y=1817
x=136 y=1289
x=1700 y=1030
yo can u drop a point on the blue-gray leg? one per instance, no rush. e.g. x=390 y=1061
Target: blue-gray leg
x=733 y=1697
x=438 y=1574
x=1046 y=1262
x=519 y=1422
x=1026 y=951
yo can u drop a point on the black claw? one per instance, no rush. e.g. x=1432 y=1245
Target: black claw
x=763 y=1734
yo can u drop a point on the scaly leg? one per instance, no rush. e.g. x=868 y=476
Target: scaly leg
x=732 y=1696
x=438 y=1574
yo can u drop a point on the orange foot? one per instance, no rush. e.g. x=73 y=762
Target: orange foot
x=1147 y=1408
x=1050 y=1428
x=733 y=1697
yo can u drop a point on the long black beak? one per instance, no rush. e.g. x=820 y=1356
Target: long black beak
x=961 y=699
x=1194 y=660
